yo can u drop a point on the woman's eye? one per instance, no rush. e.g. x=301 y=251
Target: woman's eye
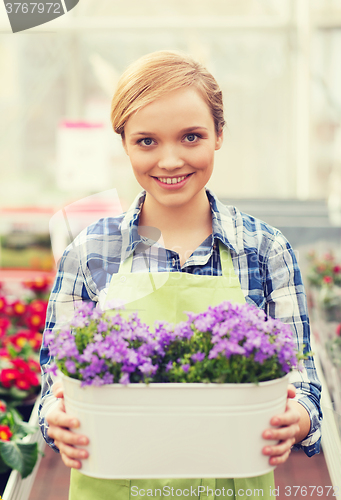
x=191 y=137
x=147 y=141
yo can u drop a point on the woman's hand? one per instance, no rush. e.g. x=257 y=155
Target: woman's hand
x=292 y=426
x=59 y=430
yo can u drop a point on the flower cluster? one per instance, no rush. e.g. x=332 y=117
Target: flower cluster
x=229 y=343
x=24 y=375
x=21 y=324
x=23 y=313
x=40 y=286
x=325 y=271
x=333 y=348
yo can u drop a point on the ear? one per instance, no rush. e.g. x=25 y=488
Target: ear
x=219 y=140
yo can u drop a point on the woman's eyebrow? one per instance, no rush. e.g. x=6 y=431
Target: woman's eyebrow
x=142 y=133
x=184 y=130
x=191 y=129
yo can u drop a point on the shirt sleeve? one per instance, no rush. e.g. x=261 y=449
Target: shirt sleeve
x=286 y=301
x=72 y=284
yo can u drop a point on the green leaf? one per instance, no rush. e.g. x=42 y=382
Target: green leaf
x=3 y=467
x=19 y=456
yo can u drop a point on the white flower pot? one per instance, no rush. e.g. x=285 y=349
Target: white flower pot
x=175 y=430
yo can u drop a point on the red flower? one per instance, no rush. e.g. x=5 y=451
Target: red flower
x=3 y=304
x=337 y=269
x=3 y=406
x=36 y=315
x=4 y=324
x=38 y=306
x=328 y=280
x=23 y=337
x=19 y=308
x=36 y=321
x=39 y=285
x=26 y=379
x=4 y=352
x=33 y=365
x=17 y=340
x=8 y=377
x=35 y=340
x=329 y=256
x=338 y=330
x=23 y=383
x=20 y=365
x=5 y=433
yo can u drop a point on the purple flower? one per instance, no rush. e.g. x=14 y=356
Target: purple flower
x=102 y=326
x=199 y=356
x=52 y=369
x=70 y=366
x=125 y=379
x=169 y=366
x=185 y=367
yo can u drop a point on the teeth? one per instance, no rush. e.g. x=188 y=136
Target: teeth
x=171 y=180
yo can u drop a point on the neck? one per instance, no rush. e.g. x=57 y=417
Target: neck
x=178 y=219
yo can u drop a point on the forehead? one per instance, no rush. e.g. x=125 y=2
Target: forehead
x=176 y=107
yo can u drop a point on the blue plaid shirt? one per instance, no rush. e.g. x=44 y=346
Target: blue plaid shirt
x=262 y=258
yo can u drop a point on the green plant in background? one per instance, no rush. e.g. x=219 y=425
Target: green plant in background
x=333 y=347
x=14 y=453
x=324 y=276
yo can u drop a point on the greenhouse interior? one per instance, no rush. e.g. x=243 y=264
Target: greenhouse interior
x=63 y=168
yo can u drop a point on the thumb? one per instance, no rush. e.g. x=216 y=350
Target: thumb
x=58 y=390
x=291 y=391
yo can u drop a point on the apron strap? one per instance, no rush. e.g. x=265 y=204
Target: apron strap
x=126 y=265
x=225 y=261
x=227 y=268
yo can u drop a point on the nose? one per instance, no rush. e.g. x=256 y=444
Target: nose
x=170 y=158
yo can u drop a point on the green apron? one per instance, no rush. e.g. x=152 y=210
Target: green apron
x=166 y=296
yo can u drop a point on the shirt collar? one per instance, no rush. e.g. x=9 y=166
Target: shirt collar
x=223 y=226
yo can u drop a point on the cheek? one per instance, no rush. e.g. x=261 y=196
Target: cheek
x=203 y=158
x=140 y=163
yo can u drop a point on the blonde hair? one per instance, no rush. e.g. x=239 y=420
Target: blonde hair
x=154 y=75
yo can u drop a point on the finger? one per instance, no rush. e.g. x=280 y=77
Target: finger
x=71 y=452
x=282 y=433
x=289 y=417
x=279 y=460
x=74 y=464
x=291 y=391
x=279 y=449
x=67 y=437
x=58 y=390
x=59 y=418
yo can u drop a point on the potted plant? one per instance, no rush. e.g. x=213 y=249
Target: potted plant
x=21 y=323
x=176 y=401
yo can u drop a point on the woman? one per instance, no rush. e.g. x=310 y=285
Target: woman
x=168 y=110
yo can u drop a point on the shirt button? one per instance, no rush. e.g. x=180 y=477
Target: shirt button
x=173 y=262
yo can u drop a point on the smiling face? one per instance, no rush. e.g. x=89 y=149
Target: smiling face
x=171 y=144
